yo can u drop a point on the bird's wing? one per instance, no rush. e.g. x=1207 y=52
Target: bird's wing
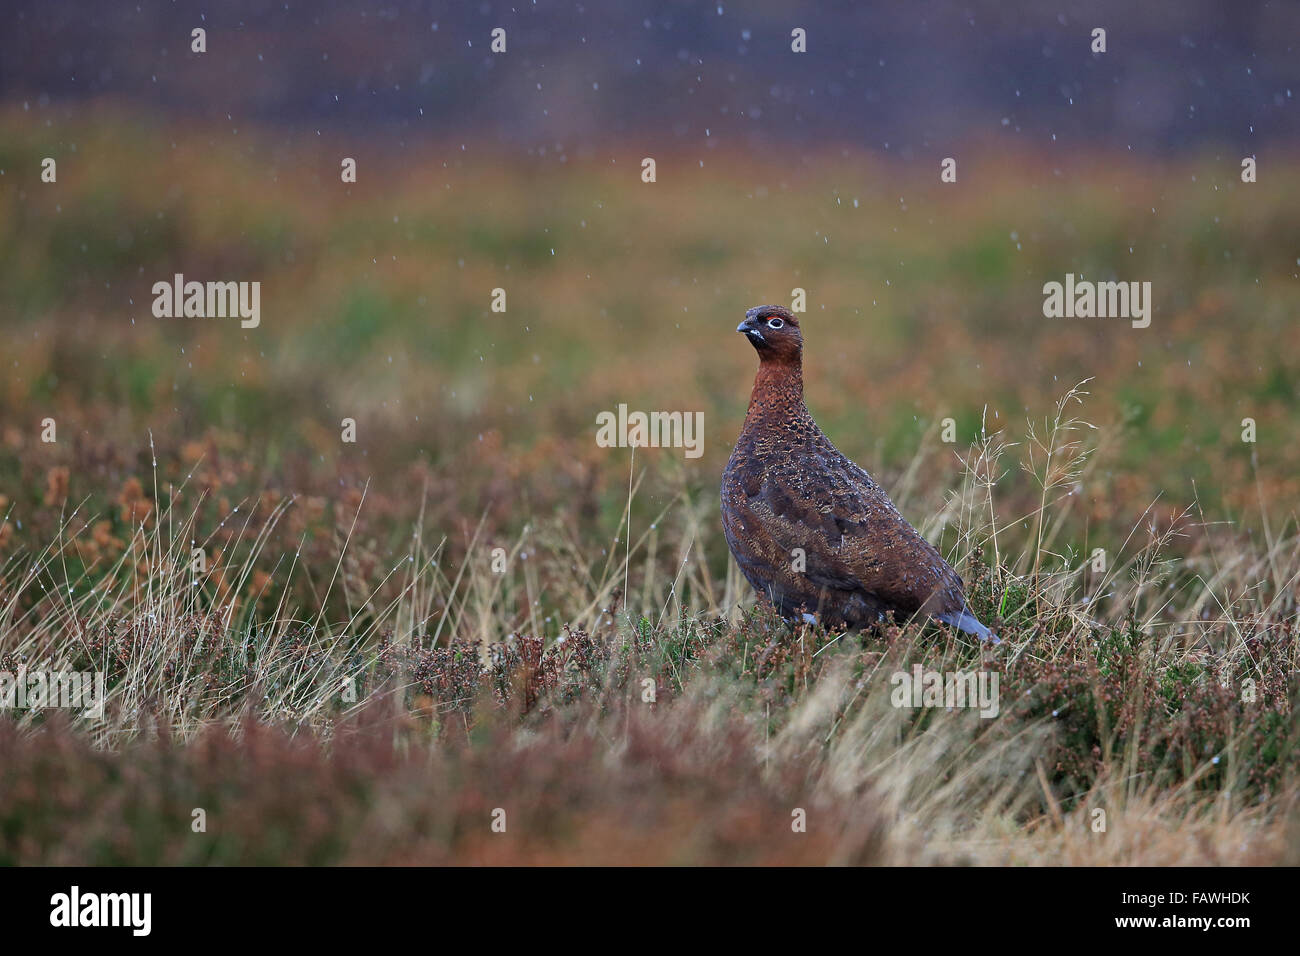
x=853 y=537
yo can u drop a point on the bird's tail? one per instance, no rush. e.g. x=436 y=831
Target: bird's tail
x=966 y=621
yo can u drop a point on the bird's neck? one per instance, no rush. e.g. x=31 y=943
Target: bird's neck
x=777 y=394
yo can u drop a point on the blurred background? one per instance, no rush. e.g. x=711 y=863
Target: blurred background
x=522 y=171
x=346 y=594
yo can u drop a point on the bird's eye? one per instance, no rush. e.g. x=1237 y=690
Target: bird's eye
x=774 y=323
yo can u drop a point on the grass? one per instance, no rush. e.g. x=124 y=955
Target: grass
x=675 y=735
x=346 y=678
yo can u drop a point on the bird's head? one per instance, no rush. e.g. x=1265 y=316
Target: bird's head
x=774 y=333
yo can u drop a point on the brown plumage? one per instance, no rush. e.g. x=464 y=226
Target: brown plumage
x=787 y=487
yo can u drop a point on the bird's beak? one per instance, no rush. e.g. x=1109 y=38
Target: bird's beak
x=750 y=328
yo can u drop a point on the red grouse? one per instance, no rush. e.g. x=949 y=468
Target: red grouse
x=809 y=528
